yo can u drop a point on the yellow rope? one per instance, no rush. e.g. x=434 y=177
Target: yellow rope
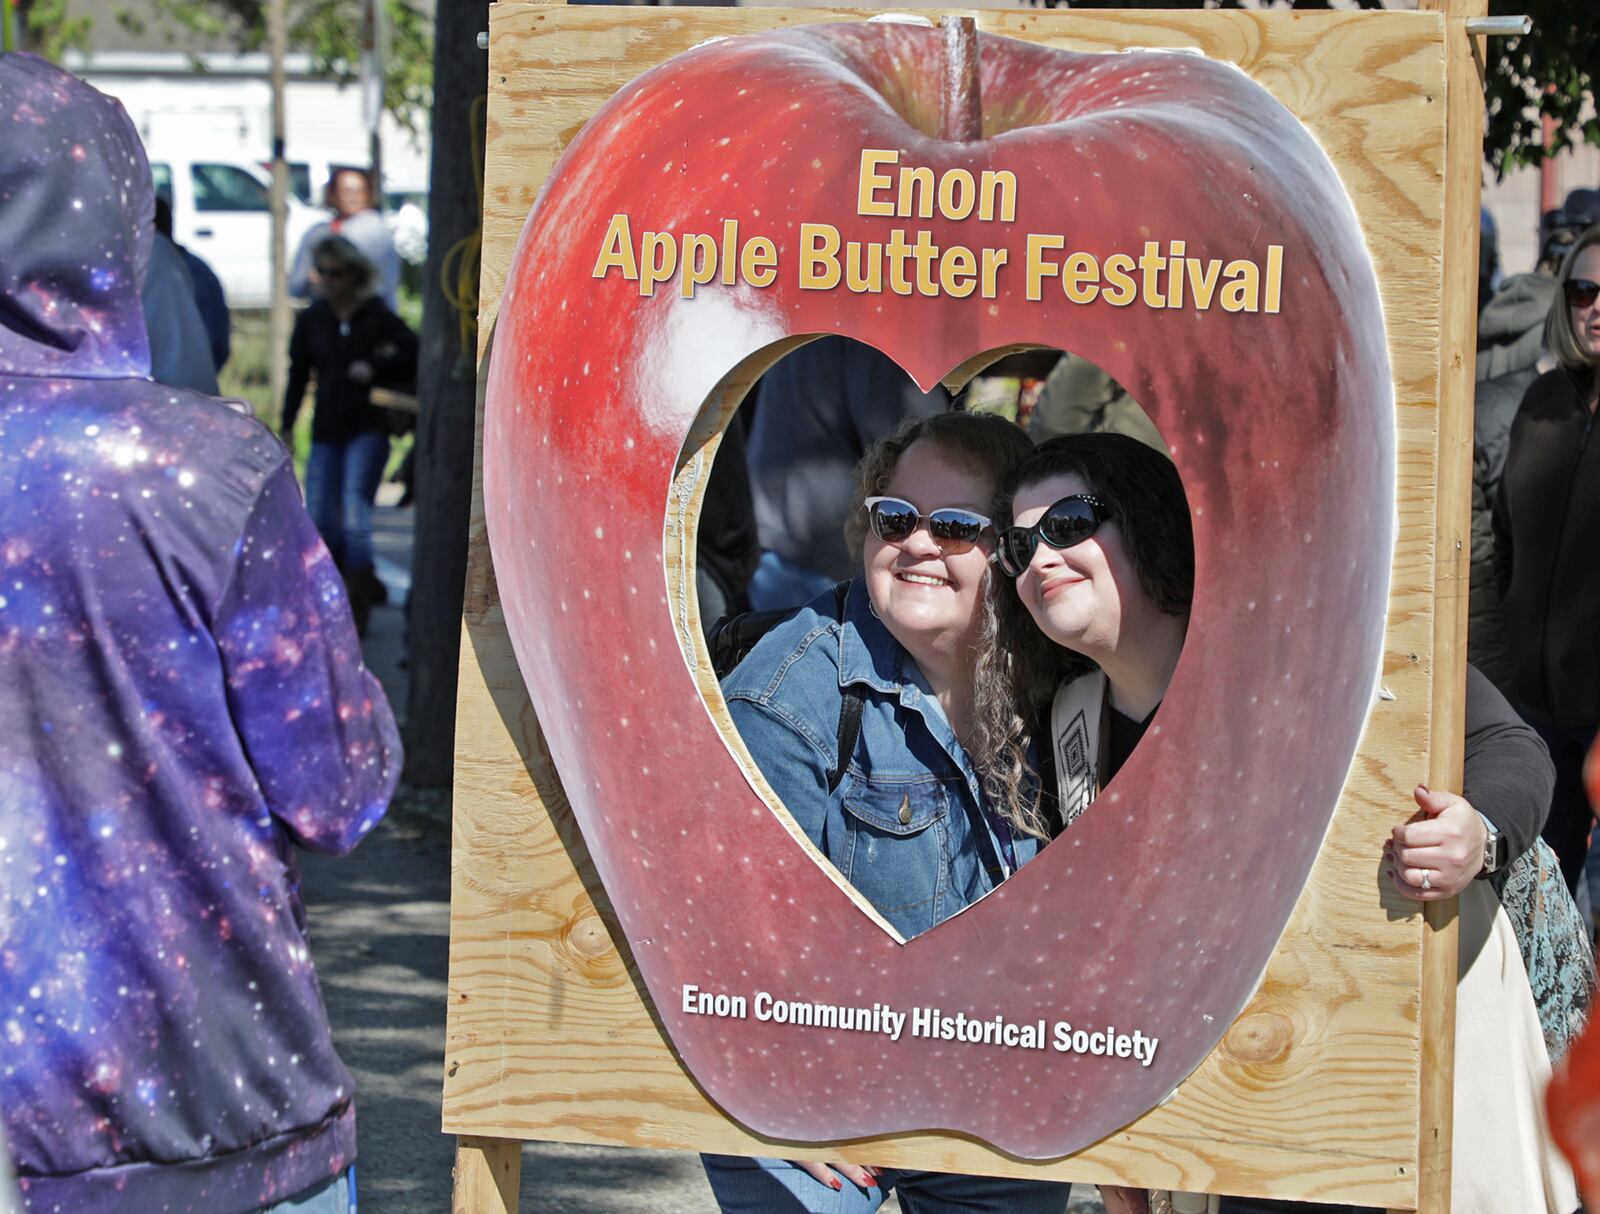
x=458 y=269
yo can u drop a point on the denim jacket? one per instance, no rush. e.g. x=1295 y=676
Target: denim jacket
x=900 y=826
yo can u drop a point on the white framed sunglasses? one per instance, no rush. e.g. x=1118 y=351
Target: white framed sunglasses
x=954 y=528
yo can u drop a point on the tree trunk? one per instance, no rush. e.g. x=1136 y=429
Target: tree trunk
x=447 y=390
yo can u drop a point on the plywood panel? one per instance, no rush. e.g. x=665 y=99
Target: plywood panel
x=1315 y=1091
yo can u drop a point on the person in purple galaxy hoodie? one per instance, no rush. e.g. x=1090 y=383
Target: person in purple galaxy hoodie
x=182 y=704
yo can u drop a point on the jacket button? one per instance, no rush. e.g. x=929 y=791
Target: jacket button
x=905 y=810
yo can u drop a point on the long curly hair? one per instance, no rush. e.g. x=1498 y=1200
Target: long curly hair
x=1019 y=668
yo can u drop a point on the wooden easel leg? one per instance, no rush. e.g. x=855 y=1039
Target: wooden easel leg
x=488 y=1176
x=1446 y=744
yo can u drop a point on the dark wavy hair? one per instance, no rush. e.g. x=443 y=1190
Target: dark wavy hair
x=1019 y=667
x=983 y=443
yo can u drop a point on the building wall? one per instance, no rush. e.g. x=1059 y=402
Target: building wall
x=229 y=113
x=1514 y=203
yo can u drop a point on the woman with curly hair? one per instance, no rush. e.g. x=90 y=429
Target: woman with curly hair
x=895 y=805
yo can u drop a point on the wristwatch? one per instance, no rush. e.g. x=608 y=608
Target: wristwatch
x=1496 y=850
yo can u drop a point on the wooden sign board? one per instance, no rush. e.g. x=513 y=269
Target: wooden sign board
x=1333 y=1085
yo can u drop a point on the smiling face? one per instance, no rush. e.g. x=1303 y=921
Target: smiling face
x=928 y=594
x=1077 y=596
x=1586 y=320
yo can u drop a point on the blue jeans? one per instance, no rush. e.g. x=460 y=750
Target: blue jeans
x=341 y=484
x=336 y=1196
x=774 y=1186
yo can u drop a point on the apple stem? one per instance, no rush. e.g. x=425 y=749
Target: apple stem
x=962 y=118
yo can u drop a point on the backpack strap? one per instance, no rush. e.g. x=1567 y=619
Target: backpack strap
x=851 y=702
x=850 y=706
x=732 y=637
x=1078 y=735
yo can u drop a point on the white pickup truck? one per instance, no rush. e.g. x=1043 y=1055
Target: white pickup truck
x=220 y=213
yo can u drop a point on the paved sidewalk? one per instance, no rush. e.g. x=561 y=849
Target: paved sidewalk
x=380 y=925
x=380 y=930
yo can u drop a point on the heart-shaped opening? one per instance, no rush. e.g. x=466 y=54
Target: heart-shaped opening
x=910 y=794
x=1158 y=910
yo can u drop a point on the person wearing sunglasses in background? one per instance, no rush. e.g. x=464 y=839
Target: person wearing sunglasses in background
x=1546 y=545
x=903 y=815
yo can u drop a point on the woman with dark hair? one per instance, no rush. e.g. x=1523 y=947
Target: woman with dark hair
x=1096 y=537
x=351 y=340
x=895 y=803
x=1546 y=538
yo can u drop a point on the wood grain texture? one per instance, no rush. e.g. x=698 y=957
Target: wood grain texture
x=1452 y=543
x=488 y=1176
x=1315 y=1093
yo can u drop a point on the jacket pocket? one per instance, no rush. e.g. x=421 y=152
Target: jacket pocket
x=897 y=807
x=896 y=848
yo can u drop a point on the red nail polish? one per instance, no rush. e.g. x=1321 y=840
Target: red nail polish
x=836 y=1185
x=872 y=1181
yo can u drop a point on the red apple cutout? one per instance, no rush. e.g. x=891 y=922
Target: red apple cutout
x=1158 y=911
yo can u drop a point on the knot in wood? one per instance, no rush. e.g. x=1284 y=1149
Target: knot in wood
x=1260 y=1038
x=586 y=937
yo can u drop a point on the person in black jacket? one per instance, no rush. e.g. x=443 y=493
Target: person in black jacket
x=1506 y=784
x=1547 y=539
x=351 y=340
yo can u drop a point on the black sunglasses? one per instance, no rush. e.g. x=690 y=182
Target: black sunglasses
x=1581 y=292
x=1070 y=521
x=331 y=272
x=956 y=530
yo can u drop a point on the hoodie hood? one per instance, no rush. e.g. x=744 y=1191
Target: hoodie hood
x=1511 y=326
x=76 y=221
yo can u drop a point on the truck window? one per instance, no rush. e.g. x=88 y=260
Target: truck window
x=226 y=187
x=161 y=177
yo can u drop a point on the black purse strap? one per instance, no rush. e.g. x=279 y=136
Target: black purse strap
x=851 y=703
x=1049 y=783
